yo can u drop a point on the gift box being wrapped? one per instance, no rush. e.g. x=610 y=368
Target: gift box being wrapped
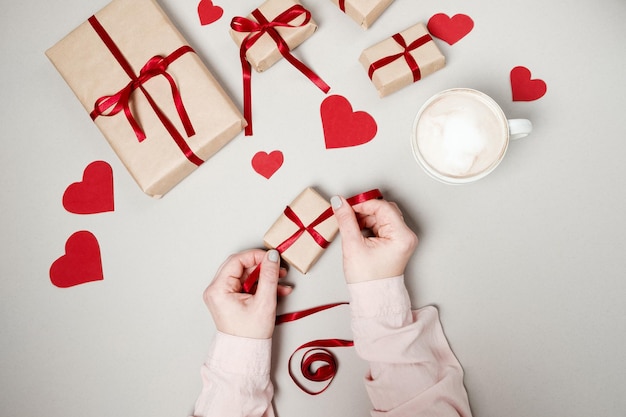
x=364 y=12
x=154 y=100
x=303 y=230
x=293 y=27
x=402 y=59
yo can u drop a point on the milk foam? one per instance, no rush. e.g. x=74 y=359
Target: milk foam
x=461 y=134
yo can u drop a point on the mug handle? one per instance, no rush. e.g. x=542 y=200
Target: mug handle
x=519 y=128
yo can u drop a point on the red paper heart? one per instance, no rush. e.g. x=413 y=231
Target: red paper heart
x=450 y=29
x=524 y=88
x=343 y=127
x=94 y=194
x=81 y=262
x=267 y=164
x=208 y=12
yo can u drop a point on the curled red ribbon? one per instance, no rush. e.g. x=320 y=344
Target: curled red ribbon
x=317 y=353
x=252 y=279
x=255 y=30
x=342 y=5
x=406 y=53
x=120 y=102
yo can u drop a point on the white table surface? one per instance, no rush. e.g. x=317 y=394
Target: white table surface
x=527 y=265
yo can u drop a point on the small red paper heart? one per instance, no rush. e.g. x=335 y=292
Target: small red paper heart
x=524 y=88
x=208 y=12
x=343 y=127
x=80 y=264
x=450 y=29
x=267 y=164
x=94 y=194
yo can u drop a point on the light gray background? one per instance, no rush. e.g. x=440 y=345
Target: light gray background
x=527 y=266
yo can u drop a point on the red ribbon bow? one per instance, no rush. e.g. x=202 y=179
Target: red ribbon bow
x=317 y=352
x=319 y=239
x=406 y=53
x=255 y=30
x=120 y=102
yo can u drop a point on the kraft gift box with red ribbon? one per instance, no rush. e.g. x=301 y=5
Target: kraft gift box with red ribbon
x=364 y=12
x=270 y=32
x=402 y=59
x=303 y=231
x=290 y=20
x=152 y=97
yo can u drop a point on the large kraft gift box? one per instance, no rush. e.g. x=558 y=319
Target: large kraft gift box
x=134 y=40
x=264 y=52
x=364 y=12
x=303 y=250
x=402 y=59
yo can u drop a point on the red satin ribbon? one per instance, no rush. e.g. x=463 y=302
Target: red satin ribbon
x=317 y=237
x=257 y=29
x=317 y=353
x=406 y=53
x=342 y=5
x=120 y=102
x=289 y=317
x=249 y=283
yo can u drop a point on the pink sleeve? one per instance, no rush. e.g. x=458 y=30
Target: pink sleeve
x=236 y=378
x=412 y=368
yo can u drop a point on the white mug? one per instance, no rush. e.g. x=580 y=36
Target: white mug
x=460 y=135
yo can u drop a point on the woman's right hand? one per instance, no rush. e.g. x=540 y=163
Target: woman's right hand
x=384 y=255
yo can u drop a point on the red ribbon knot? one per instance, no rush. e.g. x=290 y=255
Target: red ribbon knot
x=406 y=53
x=317 y=237
x=120 y=101
x=258 y=28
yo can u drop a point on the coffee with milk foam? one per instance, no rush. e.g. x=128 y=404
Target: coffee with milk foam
x=461 y=135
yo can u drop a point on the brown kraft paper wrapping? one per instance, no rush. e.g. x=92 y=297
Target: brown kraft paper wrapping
x=397 y=74
x=305 y=251
x=264 y=53
x=141 y=30
x=364 y=12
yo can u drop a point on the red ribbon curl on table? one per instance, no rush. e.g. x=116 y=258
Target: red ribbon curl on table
x=317 y=352
x=406 y=53
x=120 y=102
x=342 y=5
x=257 y=29
x=319 y=239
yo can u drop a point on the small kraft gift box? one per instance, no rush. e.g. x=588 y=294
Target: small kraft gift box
x=303 y=230
x=364 y=12
x=291 y=21
x=402 y=59
x=265 y=36
x=152 y=97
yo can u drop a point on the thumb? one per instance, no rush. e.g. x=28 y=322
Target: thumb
x=268 y=276
x=346 y=218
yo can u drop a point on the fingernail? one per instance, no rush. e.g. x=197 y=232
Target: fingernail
x=273 y=255
x=336 y=202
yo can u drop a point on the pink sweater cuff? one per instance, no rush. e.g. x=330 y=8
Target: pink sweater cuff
x=367 y=302
x=240 y=355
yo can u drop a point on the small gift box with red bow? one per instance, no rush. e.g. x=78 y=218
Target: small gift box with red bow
x=270 y=32
x=364 y=12
x=256 y=33
x=152 y=97
x=303 y=230
x=402 y=59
